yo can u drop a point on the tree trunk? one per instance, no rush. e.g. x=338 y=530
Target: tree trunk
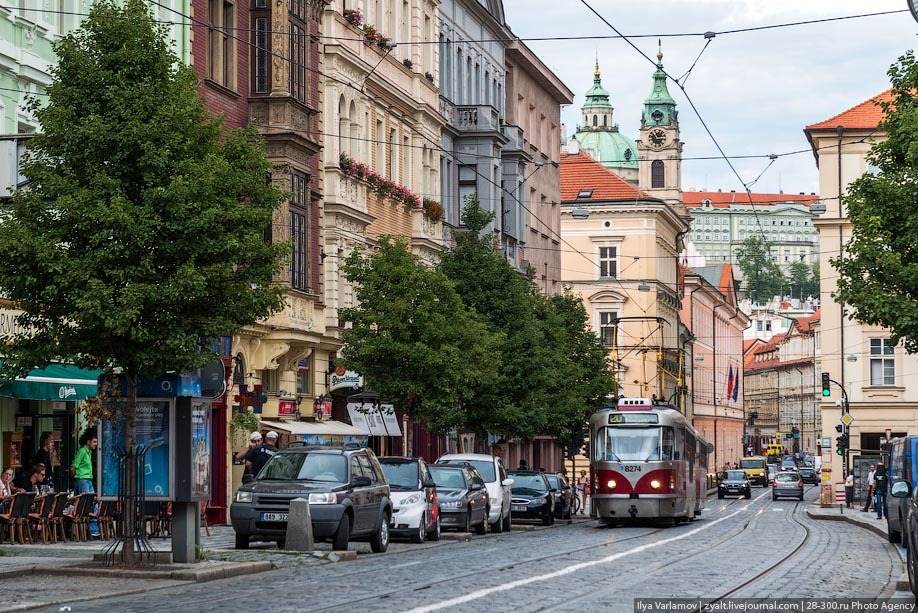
x=129 y=555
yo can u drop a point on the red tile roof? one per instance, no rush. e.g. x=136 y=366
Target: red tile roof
x=723 y=200
x=805 y=323
x=726 y=279
x=581 y=172
x=866 y=115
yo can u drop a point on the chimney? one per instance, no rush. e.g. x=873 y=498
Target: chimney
x=573 y=146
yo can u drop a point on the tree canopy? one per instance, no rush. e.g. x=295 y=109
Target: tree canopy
x=412 y=337
x=879 y=267
x=139 y=235
x=761 y=274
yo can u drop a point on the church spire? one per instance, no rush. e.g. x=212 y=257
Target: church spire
x=659 y=107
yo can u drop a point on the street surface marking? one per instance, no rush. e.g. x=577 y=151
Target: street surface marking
x=564 y=571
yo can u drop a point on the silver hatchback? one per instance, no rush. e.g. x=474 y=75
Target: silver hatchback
x=788 y=484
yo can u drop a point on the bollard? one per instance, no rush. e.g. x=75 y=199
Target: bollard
x=299 y=526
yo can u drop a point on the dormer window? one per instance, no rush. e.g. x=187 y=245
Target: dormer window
x=585 y=193
x=706 y=203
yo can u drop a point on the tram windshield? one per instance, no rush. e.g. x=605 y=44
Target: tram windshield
x=652 y=444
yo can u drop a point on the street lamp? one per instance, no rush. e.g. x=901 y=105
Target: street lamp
x=913 y=7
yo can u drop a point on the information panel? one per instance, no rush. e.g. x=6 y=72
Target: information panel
x=153 y=431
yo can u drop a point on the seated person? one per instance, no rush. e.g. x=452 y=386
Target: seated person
x=28 y=481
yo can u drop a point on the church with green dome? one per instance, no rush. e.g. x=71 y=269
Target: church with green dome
x=598 y=135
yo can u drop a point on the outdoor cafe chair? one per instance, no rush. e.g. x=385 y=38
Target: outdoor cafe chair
x=56 y=516
x=17 y=520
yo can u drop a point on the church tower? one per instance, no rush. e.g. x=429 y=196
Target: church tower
x=659 y=147
x=600 y=138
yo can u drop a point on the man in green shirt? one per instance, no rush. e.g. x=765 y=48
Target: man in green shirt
x=81 y=471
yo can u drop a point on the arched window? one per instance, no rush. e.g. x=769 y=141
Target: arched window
x=604 y=120
x=656 y=174
x=594 y=121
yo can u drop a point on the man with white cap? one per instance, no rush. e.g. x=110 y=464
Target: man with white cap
x=259 y=455
x=254 y=441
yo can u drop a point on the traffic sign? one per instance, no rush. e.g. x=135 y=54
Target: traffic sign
x=826 y=442
x=847 y=419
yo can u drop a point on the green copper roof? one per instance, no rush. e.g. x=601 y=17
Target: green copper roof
x=597 y=96
x=610 y=148
x=659 y=101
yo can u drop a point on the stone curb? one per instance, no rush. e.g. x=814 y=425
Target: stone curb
x=211 y=573
x=878 y=530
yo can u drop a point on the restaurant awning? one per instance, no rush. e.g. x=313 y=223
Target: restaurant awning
x=327 y=428
x=54 y=382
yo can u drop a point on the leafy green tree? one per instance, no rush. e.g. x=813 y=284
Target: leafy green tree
x=879 y=267
x=533 y=388
x=803 y=279
x=762 y=275
x=139 y=236
x=591 y=378
x=412 y=337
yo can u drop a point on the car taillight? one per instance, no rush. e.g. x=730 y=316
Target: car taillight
x=800 y=483
x=775 y=483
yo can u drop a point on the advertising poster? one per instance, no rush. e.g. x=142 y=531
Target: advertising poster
x=200 y=445
x=153 y=432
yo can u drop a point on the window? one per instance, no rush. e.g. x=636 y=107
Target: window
x=607 y=327
x=594 y=121
x=607 y=262
x=221 y=50
x=380 y=146
x=467 y=183
x=656 y=174
x=758 y=325
x=768 y=325
x=299 y=232
x=882 y=362
x=393 y=155
x=260 y=63
x=585 y=193
x=299 y=41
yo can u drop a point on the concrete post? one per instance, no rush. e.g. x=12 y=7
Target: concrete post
x=299 y=526
x=184 y=519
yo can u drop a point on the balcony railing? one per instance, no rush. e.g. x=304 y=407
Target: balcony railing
x=477 y=118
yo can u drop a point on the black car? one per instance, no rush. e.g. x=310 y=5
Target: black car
x=733 y=483
x=346 y=488
x=531 y=497
x=563 y=493
x=462 y=496
x=808 y=475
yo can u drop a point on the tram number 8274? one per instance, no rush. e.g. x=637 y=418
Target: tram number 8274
x=648 y=464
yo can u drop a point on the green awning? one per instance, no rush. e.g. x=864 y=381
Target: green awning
x=54 y=382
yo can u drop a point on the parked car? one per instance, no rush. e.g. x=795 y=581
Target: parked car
x=787 y=483
x=415 y=510
x=346 y=488
x=808 y=475
x=496 y=481
x=564 y=495
x=531 y=497
x=463 y=497
x=733 y=483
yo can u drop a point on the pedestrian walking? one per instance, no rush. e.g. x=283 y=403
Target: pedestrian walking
x=881 y=482
x=871 y=488
x=259 y=455
x=583 y=487
x=849 y=489
x=81 y=471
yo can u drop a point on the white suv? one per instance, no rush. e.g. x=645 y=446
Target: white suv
x=496 y=482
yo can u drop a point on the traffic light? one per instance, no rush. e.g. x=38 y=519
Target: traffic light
x=841 y=443
x=825 y=385
x=839 y=428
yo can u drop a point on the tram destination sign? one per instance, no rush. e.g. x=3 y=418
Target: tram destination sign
x=634 y=418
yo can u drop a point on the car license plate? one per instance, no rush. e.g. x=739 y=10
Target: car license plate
x=446 y=519
x=274 y=517
x=518 y=507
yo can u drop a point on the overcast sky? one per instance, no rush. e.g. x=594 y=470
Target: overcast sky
x=755 y=90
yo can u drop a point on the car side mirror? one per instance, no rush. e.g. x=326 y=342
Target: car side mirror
x=507 y=482
x=475 y=487
x=429 y=483
x=247 y=478
x=361 y=481
x=901 y=489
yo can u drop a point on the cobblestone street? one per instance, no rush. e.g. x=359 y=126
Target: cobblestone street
x=581 y=567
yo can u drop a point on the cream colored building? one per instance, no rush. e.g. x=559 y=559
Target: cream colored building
x=881 y=381
x=620 y=258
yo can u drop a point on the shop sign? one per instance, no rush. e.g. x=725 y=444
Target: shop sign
x=9 y=323
x=66 y=391
x=23 y=421
x=342 y=378
x=286 y=407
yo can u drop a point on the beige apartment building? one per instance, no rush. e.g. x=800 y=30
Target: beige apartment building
x=880 y=379
x=620 y=257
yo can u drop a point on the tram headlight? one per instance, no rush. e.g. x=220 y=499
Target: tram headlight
x=611 y=484
x=655 y=484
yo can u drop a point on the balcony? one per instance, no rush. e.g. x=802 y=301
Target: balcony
x=515 y=134
x=477 y=118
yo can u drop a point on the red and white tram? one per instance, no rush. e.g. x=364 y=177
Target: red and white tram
x=648 y=464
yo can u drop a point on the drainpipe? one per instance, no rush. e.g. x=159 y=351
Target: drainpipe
x=840 y=130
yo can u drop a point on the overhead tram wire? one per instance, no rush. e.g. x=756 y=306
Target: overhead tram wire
x=507 y=40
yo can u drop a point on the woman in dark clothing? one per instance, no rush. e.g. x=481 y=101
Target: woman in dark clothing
x=43 y=456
